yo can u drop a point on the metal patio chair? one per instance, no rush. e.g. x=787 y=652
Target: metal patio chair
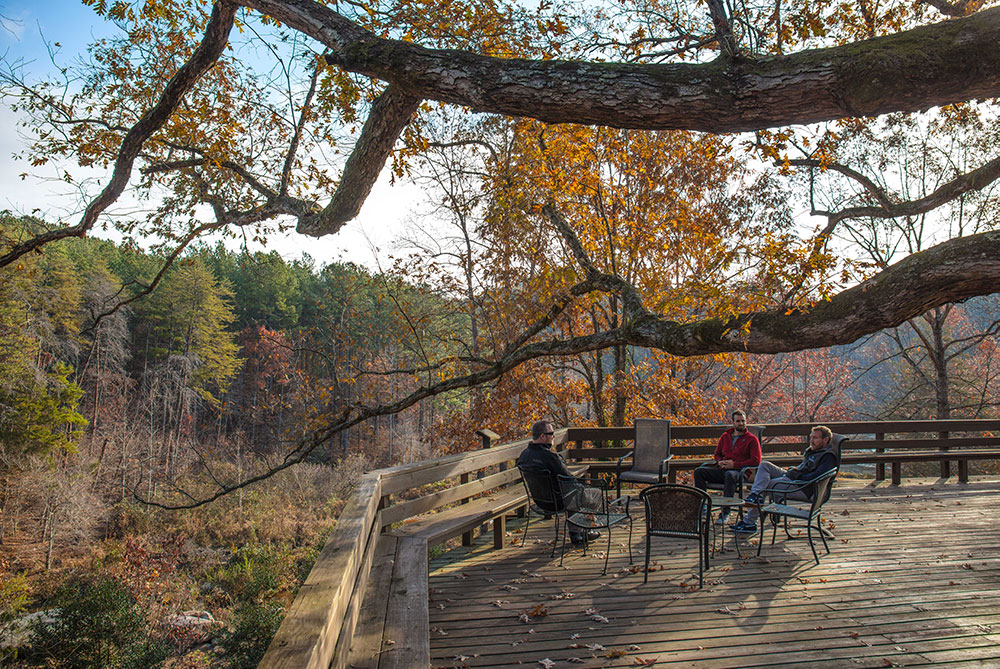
x=816 y=492
x=588 y=507
x=545 y=500
x=758 y=431
x=679 y=512
x=650 y=455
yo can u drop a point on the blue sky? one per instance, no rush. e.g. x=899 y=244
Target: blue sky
x=29 y=25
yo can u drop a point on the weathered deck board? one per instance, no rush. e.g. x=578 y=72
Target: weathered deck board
x=913 y=579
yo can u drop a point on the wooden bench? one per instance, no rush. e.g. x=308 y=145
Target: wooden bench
x=394 y=616
x=392 y=626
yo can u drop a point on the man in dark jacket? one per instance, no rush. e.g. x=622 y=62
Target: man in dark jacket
x=539 y=456
x=817 y=459
x=738 y=448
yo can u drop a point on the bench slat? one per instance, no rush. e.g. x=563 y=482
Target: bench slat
x=452 y=522
x=407 y=619
x=366 y=646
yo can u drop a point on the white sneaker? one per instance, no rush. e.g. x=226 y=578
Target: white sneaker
x=722 y=518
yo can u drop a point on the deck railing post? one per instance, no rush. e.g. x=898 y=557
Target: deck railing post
x=945 y=464
x=488 y=438
x=880 y=467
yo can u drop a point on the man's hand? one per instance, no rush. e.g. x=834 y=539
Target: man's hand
x=726 y=464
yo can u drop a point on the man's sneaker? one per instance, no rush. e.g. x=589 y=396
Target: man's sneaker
x=753 y=499
x=578 y=537
x=723 y=518
x=744 y=527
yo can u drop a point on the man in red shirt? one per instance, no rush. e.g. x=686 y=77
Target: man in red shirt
x=738 y=448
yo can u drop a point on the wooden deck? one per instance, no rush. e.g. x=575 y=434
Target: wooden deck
x=913 y=579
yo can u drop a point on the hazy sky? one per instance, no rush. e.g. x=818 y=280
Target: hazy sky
x=27 y=26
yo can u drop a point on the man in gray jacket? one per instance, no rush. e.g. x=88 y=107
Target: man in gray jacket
x=817 y=459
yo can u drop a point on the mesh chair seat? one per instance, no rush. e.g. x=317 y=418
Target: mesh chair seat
x=587 y=507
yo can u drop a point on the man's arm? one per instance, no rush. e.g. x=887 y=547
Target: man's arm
x=824 y=464
x=718 y=448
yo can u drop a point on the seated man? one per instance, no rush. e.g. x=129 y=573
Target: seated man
x=540 y=457
x=738 y=448
x=817 y=459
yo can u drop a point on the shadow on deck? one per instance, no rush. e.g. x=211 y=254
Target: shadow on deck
x=913 y=579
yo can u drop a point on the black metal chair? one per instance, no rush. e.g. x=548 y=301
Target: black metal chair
x=758 y=431
x=816 y=491
x=545 y=499
x=680 y=512
x=650 y=455
x=587 y=507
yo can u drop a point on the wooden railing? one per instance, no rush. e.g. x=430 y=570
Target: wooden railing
x=320 y=624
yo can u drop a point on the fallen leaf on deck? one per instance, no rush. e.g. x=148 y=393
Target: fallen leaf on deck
x=547 y=663
x=575 y=660
x=615 y=652
x=508 y=587
x=633 y=647
x=563 y=595
x=538 y=611
x=726 y=610
x=645 y=662
x=524 y=618
x=500 y=602
x=599 y=618
x=574 y=636
x=594 y=646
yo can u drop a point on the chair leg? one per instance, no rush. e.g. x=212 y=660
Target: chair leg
x=701 y=567
x=527 y=524
x=607 y=554
x=630 y=560
x=555 y=544
x=562 y=553
x=760 y=543
x=645 y=571
x=809 y=533
x=822 y=536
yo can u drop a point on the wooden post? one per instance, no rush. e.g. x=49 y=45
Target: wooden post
x=945 y=464
x=488 y=438
x=897 y=473
x=466 y=536
x=880 y=467
x=499 y=529
x=963 y=471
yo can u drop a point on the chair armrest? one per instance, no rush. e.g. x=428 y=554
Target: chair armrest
x=623 y=459
x=627 y=499
x=801 y=485
x=665 y=465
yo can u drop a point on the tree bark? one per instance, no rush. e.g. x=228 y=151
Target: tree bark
x=947 y=62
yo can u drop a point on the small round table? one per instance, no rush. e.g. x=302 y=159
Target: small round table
x=728 y=504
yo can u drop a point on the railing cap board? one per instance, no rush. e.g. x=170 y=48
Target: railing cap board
x=308 y=634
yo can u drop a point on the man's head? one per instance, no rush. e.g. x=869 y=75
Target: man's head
x=820 y=437
x=541 y=432
x=739 y=421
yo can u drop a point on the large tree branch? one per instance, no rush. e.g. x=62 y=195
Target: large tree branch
x=204 y=57
x=389 y=115
x=951 y=61
x=954 y=270
x=977 y=179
